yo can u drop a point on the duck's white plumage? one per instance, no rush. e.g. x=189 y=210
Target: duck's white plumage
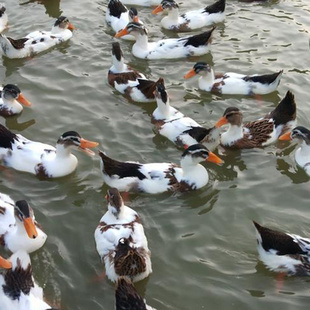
x=168 y=48
x=37 y=41
x=3 y=17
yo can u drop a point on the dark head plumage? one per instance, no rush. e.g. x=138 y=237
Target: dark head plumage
x=196 y=151
x=116 y=51
x=160 y=90
x=69 y=137
x=169 y=4
x=133 y=26
x=133 y=12
x=115 y=199
x=302 y=133
x=10 y=91
x=23 y=208
x=201 y=66
x=231 y=110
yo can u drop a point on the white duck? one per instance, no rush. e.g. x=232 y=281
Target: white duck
x=18 y=290
x=37 y=41
x=118 y=16
x=18 y=227
x=234 y=83
x=302 y=154
x=191 y=20
x=3 y=17
x=131 y=83
x=11 y=100
x=283 y=252
x=42 y=159
x=159 y=177
x=121 y=242
x=168 y=48
x=178 y=128
x=142 y=2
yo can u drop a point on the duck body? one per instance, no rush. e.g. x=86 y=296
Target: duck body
x=179 y=129
x=168 y=48
x=3 y=18
x=120 y=235
x=190 y=20
x=234 y=83
x=159 y=177
x=131 y=83
x=18 y=227
x=18 y=288
x=37 y=41
x=283 y=252
x=39 y=158
x=118 y=16
x=261 y=132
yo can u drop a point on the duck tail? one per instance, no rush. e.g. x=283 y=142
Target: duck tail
x=285 y=111
x=199 y=39
x=147 y=87
x=116 y=8
x=7 y=138
x=217 y=7
x=265 y=79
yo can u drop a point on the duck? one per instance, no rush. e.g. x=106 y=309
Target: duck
x=302 y=154
x=234 y=83
x=121 y=241
x=39 y=158
x=37 y=41
x=127 y=297
x=181 y=130
x=157 y=178
x=261 y=132
x=191 y=20
x=148 y=3
x=118 y=16
x=3 y=17
x=18 y=289
x=133 y=84
x=12 y=100
x=18 y=228
x=168 y=48
x=283 y=252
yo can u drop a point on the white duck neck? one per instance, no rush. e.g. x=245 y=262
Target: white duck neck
x=234 y=132
x=206 y=81
x=62 y=151
x=173 y=15
x=57 y=30
x=118 y=65
x=163 y=108
x=304 y=149
x=142 y=41
x=12 y=105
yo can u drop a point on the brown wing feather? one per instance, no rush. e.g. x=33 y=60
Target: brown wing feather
x=19 y=43
x=123 y=78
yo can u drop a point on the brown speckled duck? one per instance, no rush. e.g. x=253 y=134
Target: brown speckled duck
x=261 y=132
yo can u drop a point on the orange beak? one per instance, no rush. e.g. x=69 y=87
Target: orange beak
x=190 y=74
x=136 y=19
x=214 y=159
x=4 y=263
x=21 y=99
x=158 y=9
x=285 y=137
x=85 y=145
x=121 y=33
x=222 y=121
x=71 y=27
x=30 y=228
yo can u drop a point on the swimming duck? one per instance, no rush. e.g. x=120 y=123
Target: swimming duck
x=159 y=177
x=283 y=252
x=18 y=227
x=302 y=154
x=11 y=100
x=118 y=16
x=121 y=242
x=168 y=48
x=39 y=158
x=18 y=290
x=234 y=83
x=37 y=41
x=127 y=297
x=142 y=2
x=178 y=128
x=191 y=20
x=131 y=83
x=261 y=132
x=3 y=17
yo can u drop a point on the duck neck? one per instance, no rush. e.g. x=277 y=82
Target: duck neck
x=62 y=151
x=57 y=30
x=163 y=108
x=304 y=149
x=13 y=105
x=118 y=65
x=206 y=81
x=116 y=212
x=173 y=14
x=188 y=165
x=235 y=132
x=142 y=41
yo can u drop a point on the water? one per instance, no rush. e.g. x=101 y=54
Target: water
x=203 y=243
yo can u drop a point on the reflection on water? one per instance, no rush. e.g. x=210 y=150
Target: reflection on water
x=52 y=7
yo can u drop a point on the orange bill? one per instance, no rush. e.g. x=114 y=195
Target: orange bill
x=71 y=27
x=121 y=33
x=136 y=19
x=21 y=99
x=222 y=121
x=158 y=9
x=85 y=145
x=285 y=137
x=214 y=159
x=190 y=74
x=4 y=263
x=30 y=228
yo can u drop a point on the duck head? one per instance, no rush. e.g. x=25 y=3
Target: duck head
x=72 y=139
x=11 y=93
x=133 y=14
x=200 y=68
x=115 y=201
x=232 y=116
x=300 y=133
x=132 y=28
x=166 y=5
x=2 y=9
x=24 y=214
x=63 y=23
